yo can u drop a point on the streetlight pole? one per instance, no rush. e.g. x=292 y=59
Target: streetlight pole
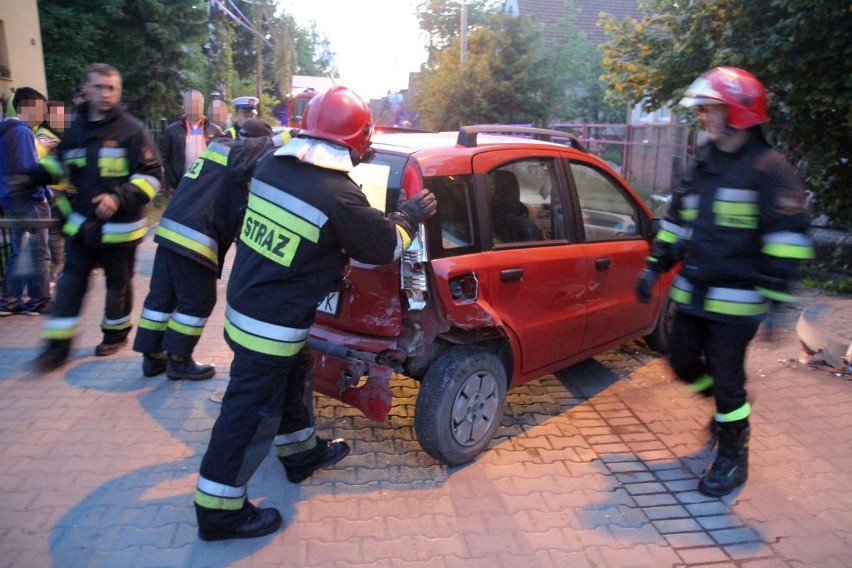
x=463 y=32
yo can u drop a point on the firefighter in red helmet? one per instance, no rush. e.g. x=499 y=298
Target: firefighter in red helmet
x=305 y=219
x=737 y=224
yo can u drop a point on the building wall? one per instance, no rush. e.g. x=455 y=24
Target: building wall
x=21 y=56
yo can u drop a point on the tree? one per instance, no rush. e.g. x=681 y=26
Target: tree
x=441 y=20
x=506 y=78
x=145 y=40
x=799 y=49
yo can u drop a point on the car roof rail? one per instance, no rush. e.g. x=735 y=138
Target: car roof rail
x=468 y=134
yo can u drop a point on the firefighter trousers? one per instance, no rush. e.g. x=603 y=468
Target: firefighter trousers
x=181 y=297
x=118 y=264
x=704 y=348
x=263 y=402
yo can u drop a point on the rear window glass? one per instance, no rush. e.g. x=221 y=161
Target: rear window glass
x=452 y=230
x=386 y=167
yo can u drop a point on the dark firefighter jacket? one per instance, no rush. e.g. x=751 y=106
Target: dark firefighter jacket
x=204 y=215
x=301 y=226
x=114 y=155
x=738 y=223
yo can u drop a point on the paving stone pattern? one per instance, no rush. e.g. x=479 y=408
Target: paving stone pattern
x=593 y=466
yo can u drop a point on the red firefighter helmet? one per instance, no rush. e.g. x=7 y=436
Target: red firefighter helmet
x=740 y=91
x=339 y=115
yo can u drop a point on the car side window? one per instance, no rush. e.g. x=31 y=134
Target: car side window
x=608 y=213
x=524 y=203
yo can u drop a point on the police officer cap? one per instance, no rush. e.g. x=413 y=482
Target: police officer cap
x=255 y=128
x=245 y=103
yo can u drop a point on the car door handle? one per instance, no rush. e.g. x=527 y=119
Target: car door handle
x=511 y=274
x=602 y=264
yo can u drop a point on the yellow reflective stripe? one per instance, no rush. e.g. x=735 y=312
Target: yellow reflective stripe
x=406 y=240
x=64 y=205
x=778 y=296
x=689 y=214
x=734 y=308
x=53 y=167
x=261 y=345
x=116 y=325
x=310 y=218
x=219 y=503
x=59 y=328
x=701 y=384
x=284 y=218
x=149 y=185
x=152 y=325
x=73 y=224
x=123 y=237
x=729 y=208
x=788 y=251
x=123 y=232
x=214 y=156
x=741 y=413
x=187 y=243
x=113 y=167
x=666 y=236
x=680 y=296
x=185 y=329
x=269 y=239
x=288 y=449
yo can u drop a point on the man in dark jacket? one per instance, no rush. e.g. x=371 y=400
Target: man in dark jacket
x=305 y=218
x=194 y=235
x=185 y=139
x=738 y=224
x=115 y=167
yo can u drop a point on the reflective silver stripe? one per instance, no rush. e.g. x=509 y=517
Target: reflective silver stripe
x=671 y=227
x=220 y=489
x=76 y=218
x=682 y=283
x=190 y=233
x=154 y=315
x=289 y=203
x=735 y=295
x=123 y=227
x=60 y=323
x=295 y=437
x=690 y=201
x=155 y=183
x=74 y=154
x=219 y=148
x=737 y=195
x=787 y=238
x=184 y=319
x=118 y=321
x=264 y=329
x=112 y=152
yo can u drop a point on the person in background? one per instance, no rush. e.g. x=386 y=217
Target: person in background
x=244 y=109
x=115 y=168
x=737 y=227
x=48 y=135
x=28 y=268
x=185 y=139
x=305 y=218
x=195 y=233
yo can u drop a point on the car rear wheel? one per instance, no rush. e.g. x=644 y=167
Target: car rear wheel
x=460 y=404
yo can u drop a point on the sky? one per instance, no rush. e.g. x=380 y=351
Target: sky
x=377 y=43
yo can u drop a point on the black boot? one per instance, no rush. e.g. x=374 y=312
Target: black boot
x=153 y=363
x=247 y=522
x=185 y=368
x=110 y=346
x=730 y=470
x=53 y=356
x=300 y=466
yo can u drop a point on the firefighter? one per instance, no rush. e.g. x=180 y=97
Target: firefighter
x=304 y=219
x=245 y=108
x=199 y=225
x=114 y=165
x=738 y=224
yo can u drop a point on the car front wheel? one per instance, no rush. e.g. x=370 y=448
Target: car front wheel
x=460 y=404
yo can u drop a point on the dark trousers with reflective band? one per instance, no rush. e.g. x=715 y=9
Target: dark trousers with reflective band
x=181 y=286
x=118 y=264
x=262 y=400
x=702 y=346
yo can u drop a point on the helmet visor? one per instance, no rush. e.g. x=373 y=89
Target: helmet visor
x=700 y=92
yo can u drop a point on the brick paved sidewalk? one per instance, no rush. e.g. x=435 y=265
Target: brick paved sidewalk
x=593 y=466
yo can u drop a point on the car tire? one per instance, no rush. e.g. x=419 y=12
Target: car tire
x=460 y=404
x=660 y=339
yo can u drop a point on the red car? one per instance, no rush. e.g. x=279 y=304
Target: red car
x=529 y=266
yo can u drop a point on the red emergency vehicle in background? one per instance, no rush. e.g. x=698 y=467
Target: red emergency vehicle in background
x=296 y=105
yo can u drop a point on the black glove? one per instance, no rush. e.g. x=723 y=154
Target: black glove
x=645 y=285
x=417 y=209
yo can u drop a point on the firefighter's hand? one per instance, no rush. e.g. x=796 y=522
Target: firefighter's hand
x=107 y=205
x=645 y=285
x=420 y=207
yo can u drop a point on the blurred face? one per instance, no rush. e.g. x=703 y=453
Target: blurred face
x=32 y=112
x=193 y=105
x=713 y=120
x=103 y=92
x=244 y=115
x=218 y=112
x=56 y=117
